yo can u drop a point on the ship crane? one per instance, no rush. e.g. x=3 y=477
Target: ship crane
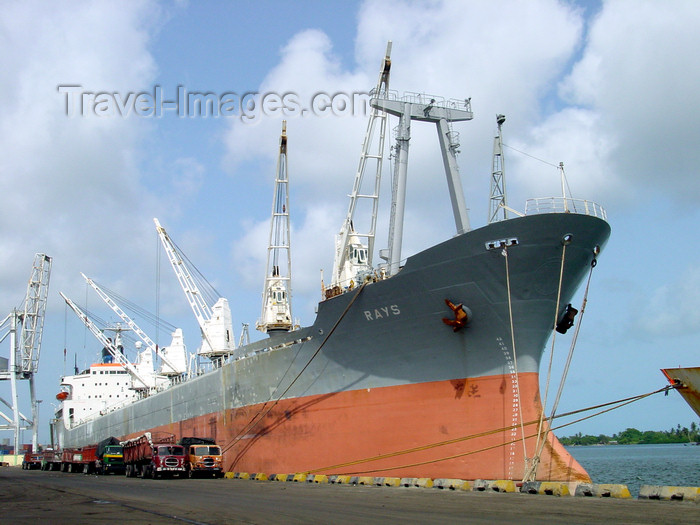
x=214 y=321
x=174 y=357
x=277 y=290
x=24 y=354
x=139 y=382
x=353 y=257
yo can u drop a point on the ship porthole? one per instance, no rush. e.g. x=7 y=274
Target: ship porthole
x=566 y=240
x=320 y=332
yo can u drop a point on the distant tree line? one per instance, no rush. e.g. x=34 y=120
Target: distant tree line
x=632 y=436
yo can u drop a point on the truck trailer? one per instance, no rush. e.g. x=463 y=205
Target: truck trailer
x=154 y=455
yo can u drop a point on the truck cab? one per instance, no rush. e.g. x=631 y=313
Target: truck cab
x=112 y=460
x=204 y=460
x=203 y=457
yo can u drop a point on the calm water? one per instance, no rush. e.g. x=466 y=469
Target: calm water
x=637 y=465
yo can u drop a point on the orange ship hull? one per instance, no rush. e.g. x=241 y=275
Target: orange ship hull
x=445 y=429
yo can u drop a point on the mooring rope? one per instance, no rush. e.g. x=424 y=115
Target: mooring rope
x=620 y=403
x=565 y=373
x=262 y=412
x=532 y=463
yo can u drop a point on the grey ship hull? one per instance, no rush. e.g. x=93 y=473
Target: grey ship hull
x=379 y=363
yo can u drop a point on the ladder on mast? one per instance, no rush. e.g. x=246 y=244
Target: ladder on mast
x=345 y=270
x=277 y=290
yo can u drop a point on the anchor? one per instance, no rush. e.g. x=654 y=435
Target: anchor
x=462 y=316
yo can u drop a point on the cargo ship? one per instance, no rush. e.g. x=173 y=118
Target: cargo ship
x=423 y=367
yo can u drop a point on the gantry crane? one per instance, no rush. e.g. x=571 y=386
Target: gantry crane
x=215 y=319
x=174 y=357
x=277 y=290
x=24 y=354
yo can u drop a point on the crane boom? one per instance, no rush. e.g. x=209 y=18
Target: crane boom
x=109 y=345
x=214 y=322
x=131 y=324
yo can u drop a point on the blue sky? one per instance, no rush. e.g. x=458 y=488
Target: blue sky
x=608 y=88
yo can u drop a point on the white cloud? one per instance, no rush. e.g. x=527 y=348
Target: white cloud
x=72 y=186
x=640 y=75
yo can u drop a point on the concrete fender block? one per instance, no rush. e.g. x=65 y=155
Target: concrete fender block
x=259 y=476
x=554 y=488
x=299 y=477
x=416 y=482
x=344 y=480
x=365 y=480
x=481 y=485
x=671 y=493
x=391 y=482
x=531 y=487
x=502 y=485
x=318 y=478
x=229 y=475
x=242 y=475
x=451 y=483
x=611 y=490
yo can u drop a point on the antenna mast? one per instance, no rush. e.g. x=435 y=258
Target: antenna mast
x=497 y=202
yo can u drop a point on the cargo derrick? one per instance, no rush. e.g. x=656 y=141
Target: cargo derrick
x=152 y=455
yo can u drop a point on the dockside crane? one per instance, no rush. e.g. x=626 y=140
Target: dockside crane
x=146 y=382
x=277 y=290
x=174 y=357
x=214 y=320
x=24 y=353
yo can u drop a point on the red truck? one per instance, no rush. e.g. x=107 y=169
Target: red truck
x=154 y=455
x=80 y=459
x=50 y=459
x=203 y=457
x=31 y=460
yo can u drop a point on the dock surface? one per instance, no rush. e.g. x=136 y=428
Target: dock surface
x=31 y=495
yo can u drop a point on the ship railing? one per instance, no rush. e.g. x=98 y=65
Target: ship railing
x=564 y=205
x=422 y=98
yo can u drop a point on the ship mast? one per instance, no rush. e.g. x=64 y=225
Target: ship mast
x=276 y=296
x=423 y=108
x=353 y=257
x=497 y=201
